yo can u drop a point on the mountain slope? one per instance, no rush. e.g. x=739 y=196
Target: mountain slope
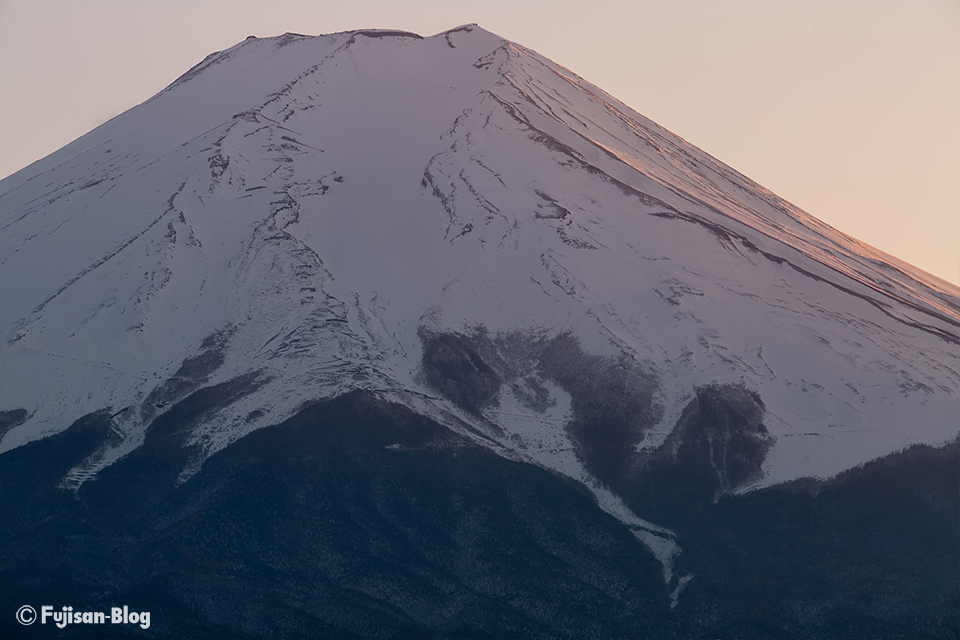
x=459 y=227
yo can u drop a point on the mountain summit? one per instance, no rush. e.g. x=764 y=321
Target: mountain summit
x=416 y=326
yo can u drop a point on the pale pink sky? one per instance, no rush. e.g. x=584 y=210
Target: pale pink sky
x=850 y=110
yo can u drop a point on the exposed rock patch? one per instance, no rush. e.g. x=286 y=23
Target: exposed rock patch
x=718 y=445
x=612 y=400
x=453 y=366
x=11 y=419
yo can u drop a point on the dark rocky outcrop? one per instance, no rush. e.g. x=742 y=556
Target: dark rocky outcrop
x=718 y=445
x=11 y=419
x=453 y=366
x=612 y=402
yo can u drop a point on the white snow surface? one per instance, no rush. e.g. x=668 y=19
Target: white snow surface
x=309 y=203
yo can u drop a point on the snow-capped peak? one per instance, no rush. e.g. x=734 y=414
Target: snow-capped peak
x=297 y=217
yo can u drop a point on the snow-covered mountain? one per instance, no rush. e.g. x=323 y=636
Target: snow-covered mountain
x=459 y=227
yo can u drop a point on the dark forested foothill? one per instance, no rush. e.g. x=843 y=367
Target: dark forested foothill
x=359 y=518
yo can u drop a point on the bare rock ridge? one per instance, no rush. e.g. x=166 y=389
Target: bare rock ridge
x=371 y=333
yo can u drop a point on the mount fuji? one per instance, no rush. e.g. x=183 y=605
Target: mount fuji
x=370 y=334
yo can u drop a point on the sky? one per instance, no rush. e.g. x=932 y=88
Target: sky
x=848 y=109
